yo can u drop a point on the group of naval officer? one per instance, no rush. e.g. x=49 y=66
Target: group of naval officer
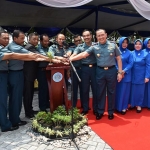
x=20 y=66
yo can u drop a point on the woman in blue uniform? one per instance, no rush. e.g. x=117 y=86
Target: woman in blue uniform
x=139 y=75
x=123 y=87
x=146 y=102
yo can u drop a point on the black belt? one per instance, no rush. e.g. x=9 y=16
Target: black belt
x=106 y=68
x=3 y=71
x=16 y=70
x=89 y=65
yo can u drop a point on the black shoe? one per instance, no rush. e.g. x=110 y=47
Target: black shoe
x=84 y=112
x=94 y=112
x=123 y=112
x=99 y=116
x=138 y=111
x=21 y=123
x=111 y=116
x=11 y=129
x=30 y=116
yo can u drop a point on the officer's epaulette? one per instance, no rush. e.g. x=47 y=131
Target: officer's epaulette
x=94 y=44
x=113 y=42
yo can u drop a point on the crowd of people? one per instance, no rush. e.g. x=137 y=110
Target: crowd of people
x=110 y=70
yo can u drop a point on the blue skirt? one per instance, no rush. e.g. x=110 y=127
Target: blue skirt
x=137 y=94
x=122 y=95
x=146 y=102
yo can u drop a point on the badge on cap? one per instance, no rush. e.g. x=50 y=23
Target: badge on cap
x=98 y=55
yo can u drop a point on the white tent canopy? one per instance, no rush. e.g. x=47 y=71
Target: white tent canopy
x=108 y=14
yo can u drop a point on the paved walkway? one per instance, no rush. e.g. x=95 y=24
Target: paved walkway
x=20 y=140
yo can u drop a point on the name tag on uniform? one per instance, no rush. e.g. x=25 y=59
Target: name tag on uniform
x=111 y=54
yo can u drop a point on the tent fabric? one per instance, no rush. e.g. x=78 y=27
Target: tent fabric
x=112 y=15
x=142 y=7
x=64 y=3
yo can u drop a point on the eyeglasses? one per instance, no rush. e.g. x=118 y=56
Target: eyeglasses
x=77 y=41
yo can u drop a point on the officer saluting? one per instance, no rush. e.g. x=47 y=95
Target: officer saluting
x=106 y=73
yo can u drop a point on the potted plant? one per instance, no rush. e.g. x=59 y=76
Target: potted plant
x=60 y=110
x=76 y=129
x=76 y=114
x=67 y=122
x=59 y=134
x=57 y=120
x=47 y=121
x=66 y=133
x=40 y=116
x=52 y=134
x=35 y=125
x=41 y=130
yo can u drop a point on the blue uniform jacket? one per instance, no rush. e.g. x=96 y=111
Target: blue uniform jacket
x=75 y=63
x=88 y=60
x=147 y=49
x=16 y=64
x=42 y=51
x=127 y=61
x=3 y=63
x=141 y=65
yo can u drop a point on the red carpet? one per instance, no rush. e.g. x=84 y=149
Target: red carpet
x=124 y=132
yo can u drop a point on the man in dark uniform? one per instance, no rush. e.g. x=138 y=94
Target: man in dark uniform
x=106 y=72
x=41 y=76
x=77 y=64
x=88 y=72
x=30 y=74
x=5 y=55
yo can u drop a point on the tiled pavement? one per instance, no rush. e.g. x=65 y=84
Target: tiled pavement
x=20 y=140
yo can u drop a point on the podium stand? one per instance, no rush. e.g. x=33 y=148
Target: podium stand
x=57 y=86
